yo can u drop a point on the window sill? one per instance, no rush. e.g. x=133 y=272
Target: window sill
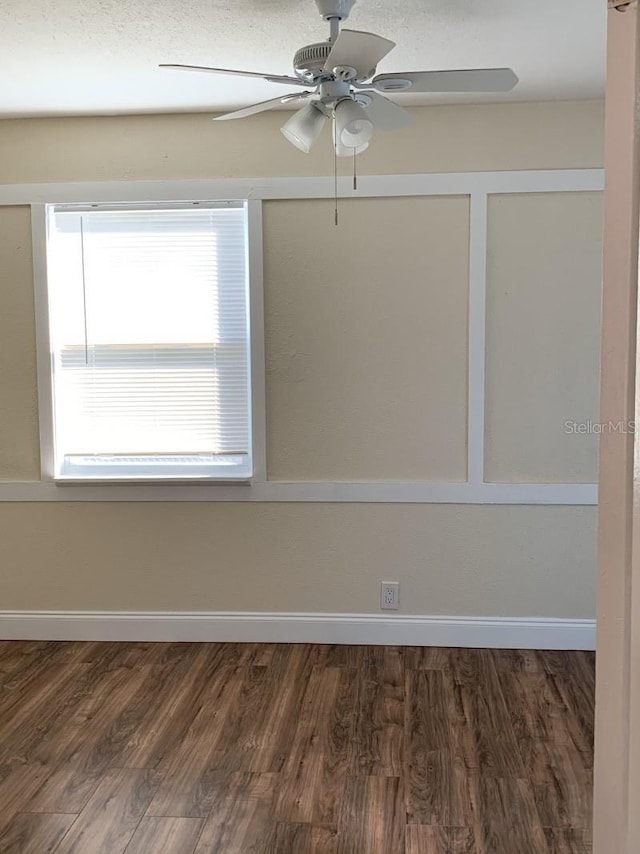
x=151 y=481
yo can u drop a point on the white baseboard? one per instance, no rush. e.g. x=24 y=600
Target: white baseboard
x=496 y=632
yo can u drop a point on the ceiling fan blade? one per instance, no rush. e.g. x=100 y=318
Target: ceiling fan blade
x=384 y=114
x=359 y=50
x=467 y=80
x=271 y=104
x=272 y=78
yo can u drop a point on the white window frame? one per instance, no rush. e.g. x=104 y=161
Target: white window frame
x=39 y=225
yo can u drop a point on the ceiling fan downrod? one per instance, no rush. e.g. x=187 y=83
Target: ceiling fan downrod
x=334 y=11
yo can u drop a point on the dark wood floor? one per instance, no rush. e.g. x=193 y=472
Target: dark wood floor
x=183 y=748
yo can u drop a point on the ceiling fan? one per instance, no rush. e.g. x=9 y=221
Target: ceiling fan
x=337 y=78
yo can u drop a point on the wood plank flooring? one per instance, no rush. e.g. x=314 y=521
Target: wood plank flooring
x=133 y=748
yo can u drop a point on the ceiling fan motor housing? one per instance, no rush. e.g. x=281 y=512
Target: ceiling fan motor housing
x=309 y=63
x=310 y=60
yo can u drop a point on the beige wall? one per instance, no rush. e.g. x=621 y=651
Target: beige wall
x=543 y=336
x=366 y=335
x=442 y=139
x=366 y=352
x=19 y=442
x=515 y=561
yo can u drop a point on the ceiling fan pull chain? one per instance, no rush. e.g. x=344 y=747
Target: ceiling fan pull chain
x=355 y=177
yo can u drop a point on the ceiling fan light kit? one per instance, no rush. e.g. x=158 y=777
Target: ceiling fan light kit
x=304 y=127
x=353 y=127
x=340 y=72
x=347 y=151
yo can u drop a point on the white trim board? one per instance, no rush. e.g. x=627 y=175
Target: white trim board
x=476 y=335
x=369 y=186
x=255 y=627
x=380 y=492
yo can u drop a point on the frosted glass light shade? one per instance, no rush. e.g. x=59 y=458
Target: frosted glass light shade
x=348 y=151
x=353 y=127
x=304 y=127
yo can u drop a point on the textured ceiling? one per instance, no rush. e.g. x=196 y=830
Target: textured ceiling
x=101 y=56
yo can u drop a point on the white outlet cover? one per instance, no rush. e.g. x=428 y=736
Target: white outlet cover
x=389 y=595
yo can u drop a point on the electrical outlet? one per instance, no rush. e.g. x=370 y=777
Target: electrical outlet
x=389 y=595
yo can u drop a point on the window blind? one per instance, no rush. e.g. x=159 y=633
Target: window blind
x=149 y=326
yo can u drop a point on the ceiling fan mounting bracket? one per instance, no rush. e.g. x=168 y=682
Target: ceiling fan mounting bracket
x=339 y=9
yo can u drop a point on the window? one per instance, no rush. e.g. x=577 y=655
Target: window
x=149 y=341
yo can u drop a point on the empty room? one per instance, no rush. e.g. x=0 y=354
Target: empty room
x=301 y=307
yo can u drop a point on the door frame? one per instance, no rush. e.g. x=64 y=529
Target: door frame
x=617 y=727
